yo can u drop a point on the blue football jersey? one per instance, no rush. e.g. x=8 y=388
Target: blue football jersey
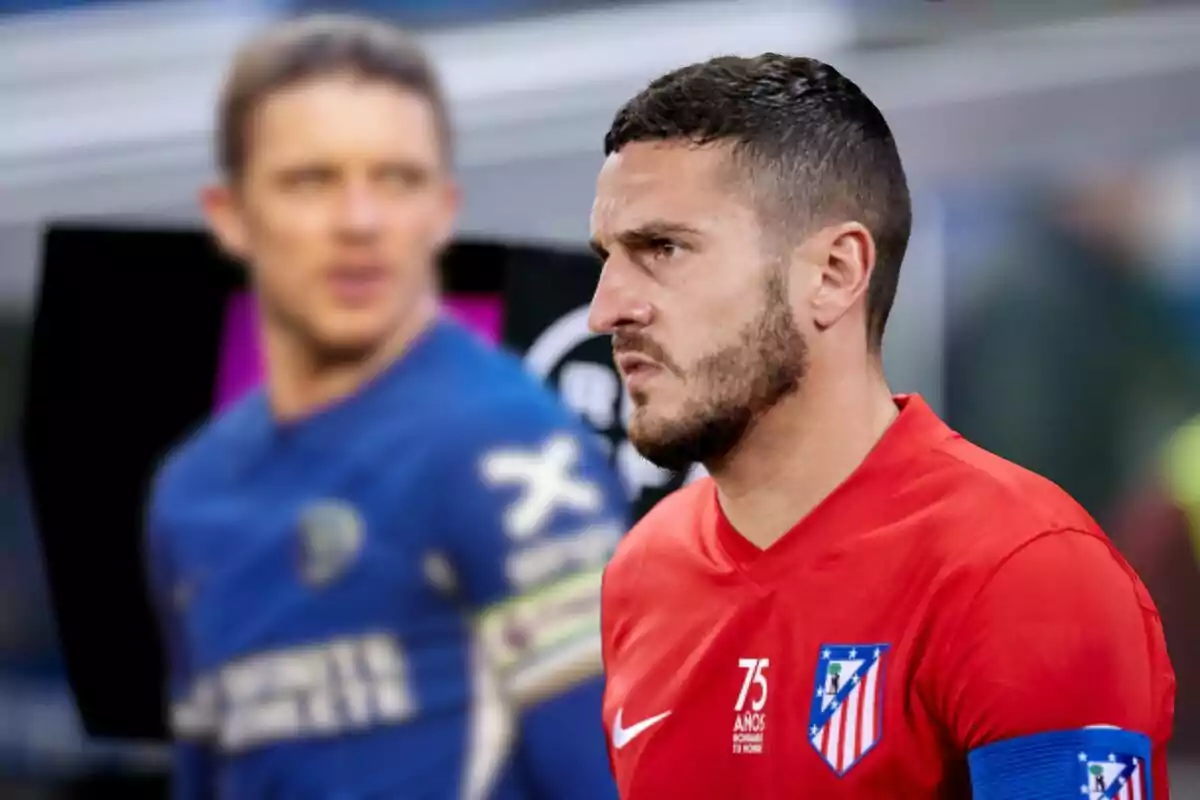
x=396 y=597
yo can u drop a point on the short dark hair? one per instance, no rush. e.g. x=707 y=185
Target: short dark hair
x=815 y=148
x=314 y=47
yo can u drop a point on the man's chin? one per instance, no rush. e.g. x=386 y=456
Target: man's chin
x=677 y=443
x=661 y=447
x=349 y=343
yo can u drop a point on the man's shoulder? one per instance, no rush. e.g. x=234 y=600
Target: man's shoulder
x=1009 y=491
x=492 y=412
x=982 y=507
x=202 y=453
x=485 y=390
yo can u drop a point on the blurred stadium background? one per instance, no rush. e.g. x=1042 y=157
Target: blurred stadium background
x=1050 y=305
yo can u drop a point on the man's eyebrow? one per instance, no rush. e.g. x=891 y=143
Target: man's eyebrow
x=644 y=234
x=657 y=229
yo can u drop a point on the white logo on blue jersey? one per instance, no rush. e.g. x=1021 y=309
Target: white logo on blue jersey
x=331 y=536
x=547 y=482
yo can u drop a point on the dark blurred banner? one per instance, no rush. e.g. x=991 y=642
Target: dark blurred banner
x=141 y=334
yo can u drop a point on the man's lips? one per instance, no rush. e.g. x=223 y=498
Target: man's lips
x=635 y=362
x=358 y=283
x=636 y=369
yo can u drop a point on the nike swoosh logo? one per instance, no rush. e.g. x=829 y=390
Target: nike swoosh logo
x=622 y=736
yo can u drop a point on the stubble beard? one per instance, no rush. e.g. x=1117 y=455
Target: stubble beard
x=732 y=388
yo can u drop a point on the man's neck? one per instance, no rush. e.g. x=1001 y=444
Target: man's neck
x=801 y=450
x=298 y=385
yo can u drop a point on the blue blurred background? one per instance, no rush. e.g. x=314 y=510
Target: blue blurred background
x=1050 y=304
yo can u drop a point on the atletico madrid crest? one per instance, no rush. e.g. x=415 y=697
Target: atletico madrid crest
x=847 y=706
x=1112 y=776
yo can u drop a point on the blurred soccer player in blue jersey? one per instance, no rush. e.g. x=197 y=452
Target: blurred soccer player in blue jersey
x=379 y=577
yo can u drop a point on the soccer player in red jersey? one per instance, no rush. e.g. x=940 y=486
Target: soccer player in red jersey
x=858 y=603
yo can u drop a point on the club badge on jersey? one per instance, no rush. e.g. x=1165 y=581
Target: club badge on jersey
x=331 y=537
x=846 y=719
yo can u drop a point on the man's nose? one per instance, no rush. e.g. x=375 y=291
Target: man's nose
x=617 y=303
x=360 y=212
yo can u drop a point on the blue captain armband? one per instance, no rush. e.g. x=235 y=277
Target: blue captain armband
x=1096 y=763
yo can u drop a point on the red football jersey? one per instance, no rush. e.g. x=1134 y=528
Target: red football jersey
x=940 y=600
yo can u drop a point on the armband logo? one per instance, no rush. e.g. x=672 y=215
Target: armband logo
x=1111 y=776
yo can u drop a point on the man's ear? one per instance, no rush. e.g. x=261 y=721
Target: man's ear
x=223 y=211
x=845 y=258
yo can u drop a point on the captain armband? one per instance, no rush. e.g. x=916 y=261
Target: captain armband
x=547 y=640
x=1099 y=762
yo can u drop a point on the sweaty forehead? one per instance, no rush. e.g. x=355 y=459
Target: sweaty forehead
x=664 y=181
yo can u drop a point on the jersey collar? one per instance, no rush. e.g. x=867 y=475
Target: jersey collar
x=855 y=504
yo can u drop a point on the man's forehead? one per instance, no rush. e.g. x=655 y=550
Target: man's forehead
x=335 y=116
x=657 y=180
x=664 y=165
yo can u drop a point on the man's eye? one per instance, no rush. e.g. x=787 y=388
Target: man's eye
x=308 y=178
x=663 y=248
x=403 y=177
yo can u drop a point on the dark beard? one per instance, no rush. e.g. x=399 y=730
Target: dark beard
x=742 y=382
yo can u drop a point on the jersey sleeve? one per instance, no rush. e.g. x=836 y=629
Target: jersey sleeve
x=1057 y=684
x=536 y=513
x=192 y=775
